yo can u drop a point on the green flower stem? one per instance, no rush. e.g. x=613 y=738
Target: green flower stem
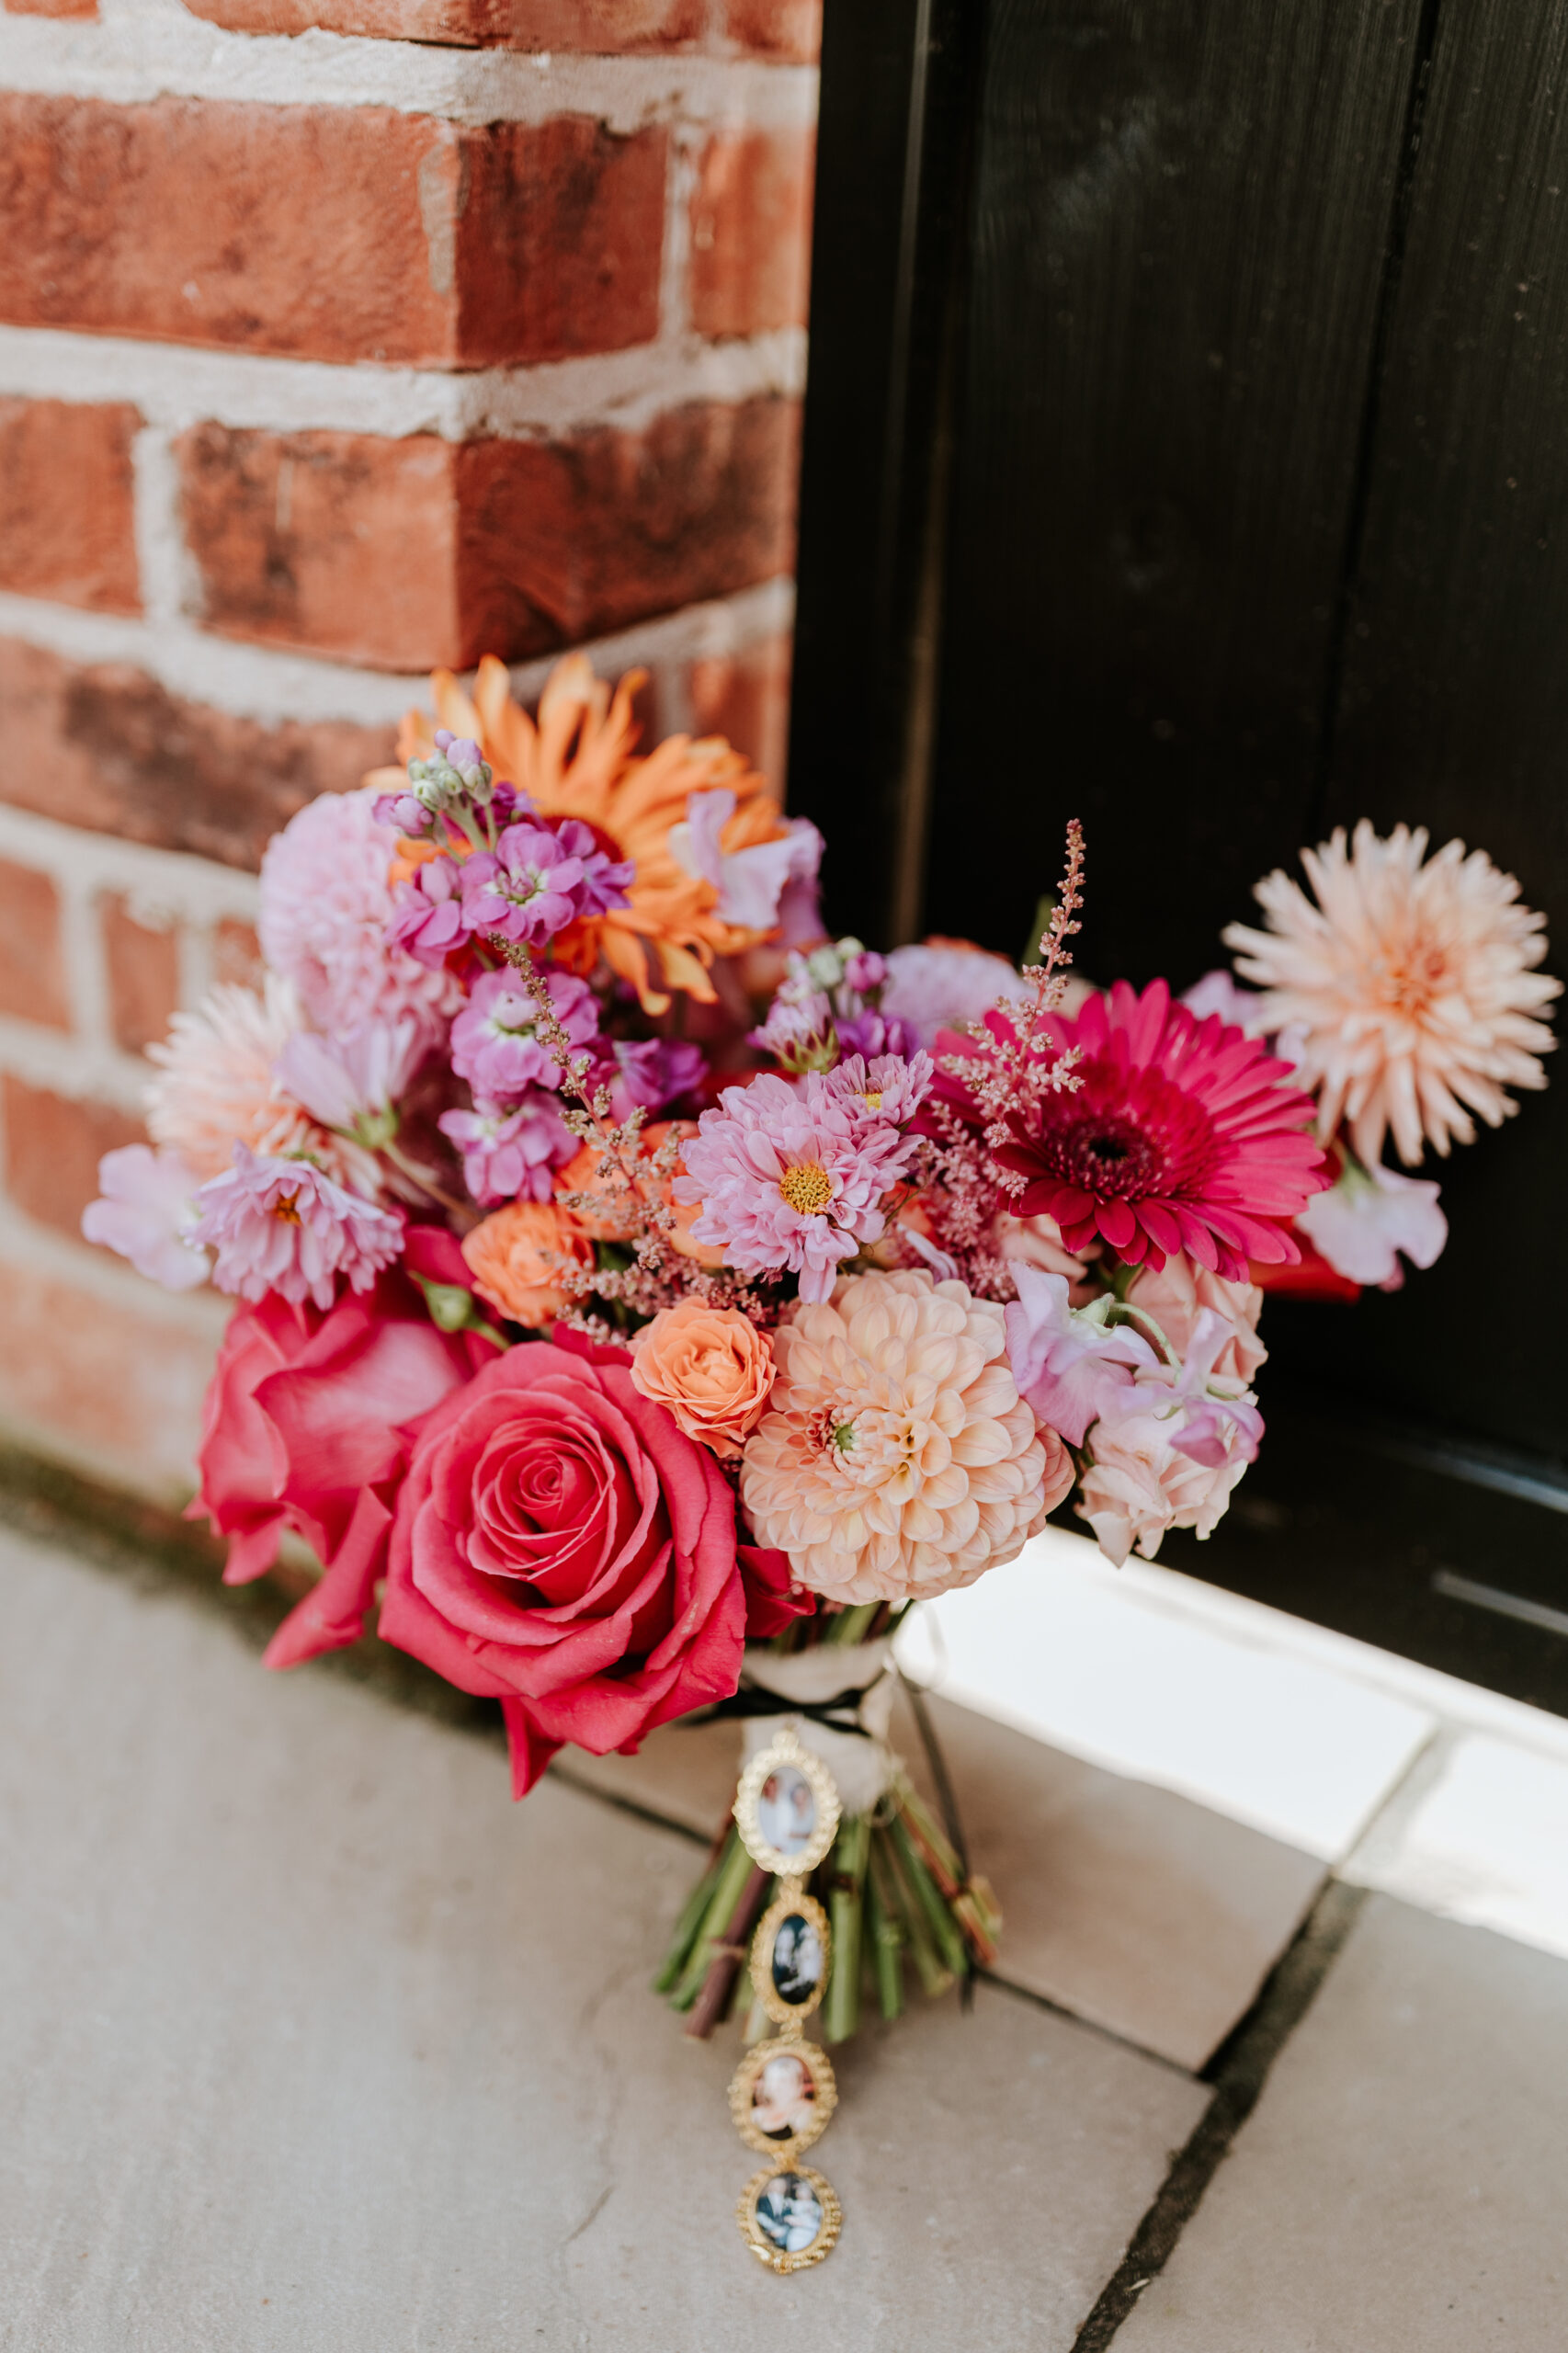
x=934 y=1975
x=938 y=1919
x=735 y=1870
x=849 y=1625
x=847 y=1866
x=686 y=1929
x=887 y=1938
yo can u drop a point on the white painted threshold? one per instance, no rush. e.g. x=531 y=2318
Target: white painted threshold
x=1396 y=1776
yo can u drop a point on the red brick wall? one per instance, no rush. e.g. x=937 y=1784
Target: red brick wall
x=479 y=328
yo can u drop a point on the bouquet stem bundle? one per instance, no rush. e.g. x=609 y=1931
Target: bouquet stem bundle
x=897 y=1892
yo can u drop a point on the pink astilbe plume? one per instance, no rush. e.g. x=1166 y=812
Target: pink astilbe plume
x=1410 y=987
x=1178 y=1135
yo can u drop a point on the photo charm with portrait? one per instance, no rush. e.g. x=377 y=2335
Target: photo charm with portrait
x=787 y=1807
x=789 y=2218
x=790 y=1957
x=782 y=2095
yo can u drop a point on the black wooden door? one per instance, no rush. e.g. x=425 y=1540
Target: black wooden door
x=1187 y=449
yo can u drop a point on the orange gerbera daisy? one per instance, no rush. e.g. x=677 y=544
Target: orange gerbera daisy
x=578 y=760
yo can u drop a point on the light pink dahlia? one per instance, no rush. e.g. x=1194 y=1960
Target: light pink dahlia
x=216 y=1083
x=326 y=905
x=790 y=1179
x=282 y=1225
x=1179 y=1134
x=896 y=1459
x=1410 y=987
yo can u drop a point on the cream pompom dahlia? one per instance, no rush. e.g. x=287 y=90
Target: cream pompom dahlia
x=896 y=1458
x=1409 y=988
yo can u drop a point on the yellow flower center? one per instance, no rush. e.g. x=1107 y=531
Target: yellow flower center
x=284 y=1209
x=806 y=1187
x=873 y=1100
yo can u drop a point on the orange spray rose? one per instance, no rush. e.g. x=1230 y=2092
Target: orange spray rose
x=711 y=1367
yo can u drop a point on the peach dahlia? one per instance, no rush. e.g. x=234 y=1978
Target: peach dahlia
x=896 y=1458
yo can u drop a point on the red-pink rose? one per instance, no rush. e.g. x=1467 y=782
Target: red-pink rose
x=560 y=1546
x=304 y=1429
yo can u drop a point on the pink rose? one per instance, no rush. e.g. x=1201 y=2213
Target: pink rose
x=560 y=1546
x=304 y=1429
x=1179 y=1293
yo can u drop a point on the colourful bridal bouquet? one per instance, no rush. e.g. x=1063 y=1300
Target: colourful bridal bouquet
x=651 y=1299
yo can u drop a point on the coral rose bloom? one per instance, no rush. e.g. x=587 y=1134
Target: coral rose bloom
x=561 y=1547
x=518 y=1254
x=708 y=1365
x=896 y=1458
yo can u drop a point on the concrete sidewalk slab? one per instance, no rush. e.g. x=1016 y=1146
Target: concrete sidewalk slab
x=310 y=2039
x=1399 y=2186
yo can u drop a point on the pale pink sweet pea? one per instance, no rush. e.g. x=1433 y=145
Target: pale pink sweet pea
x=750 y=882
x=1177 y=1293
x=1069 y=1362
x=1218 y=992
x=1168 y=1449
x=1362 y=1223
x=147 y=1198
x=282 y=1225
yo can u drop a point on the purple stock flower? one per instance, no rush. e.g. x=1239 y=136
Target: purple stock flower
x=606 y=881
x=531 y=885
x=427 y=915
x=865 y=972
x=508 y=1154
x=282 y=1225
x=495 y=1045
x=649 y=1073
x=870 y=1033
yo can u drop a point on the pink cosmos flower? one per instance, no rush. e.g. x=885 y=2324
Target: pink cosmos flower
x=1069 y=1362
x=325 y=906
x=1181 y=1136
x=888 y=1093
x=146 y=1197
x=282 y=1225
x=1362 y=1223
x=495 y=1045
x=790 y=1179
x=509 y=1153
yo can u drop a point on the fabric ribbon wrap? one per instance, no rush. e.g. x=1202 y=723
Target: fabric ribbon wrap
x=838 y=1699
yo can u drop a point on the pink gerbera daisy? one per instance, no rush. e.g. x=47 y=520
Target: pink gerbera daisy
x=1180 y=1136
